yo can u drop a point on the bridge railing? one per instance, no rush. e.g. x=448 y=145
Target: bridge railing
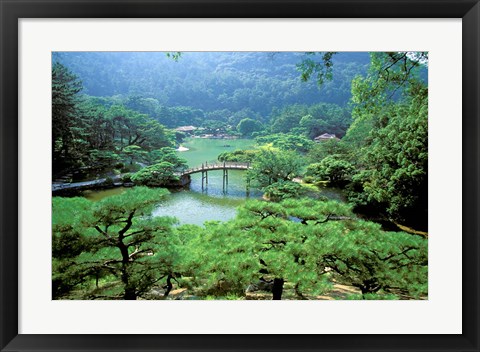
x=218 y=165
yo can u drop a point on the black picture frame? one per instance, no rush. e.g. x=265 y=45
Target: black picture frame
x=12 y=11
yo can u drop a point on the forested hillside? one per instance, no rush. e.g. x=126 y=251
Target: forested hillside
x=221 y=85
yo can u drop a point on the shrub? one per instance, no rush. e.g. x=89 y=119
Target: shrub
x=282 y=190
x=127 y=177
x=156 y=175
x=331 y=169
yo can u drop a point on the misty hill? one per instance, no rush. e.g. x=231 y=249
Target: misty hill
x=212 y=83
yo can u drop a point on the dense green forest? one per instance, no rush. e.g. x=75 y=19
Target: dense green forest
x=353 y=123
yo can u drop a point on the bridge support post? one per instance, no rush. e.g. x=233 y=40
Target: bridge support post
x=204 y=176
x=204 y=179
x=225 y=178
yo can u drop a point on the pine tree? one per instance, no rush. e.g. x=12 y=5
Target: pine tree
x=116 y=238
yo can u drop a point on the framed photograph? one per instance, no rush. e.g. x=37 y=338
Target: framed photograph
x=321 y=160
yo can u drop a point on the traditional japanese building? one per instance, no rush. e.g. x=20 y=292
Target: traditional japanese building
x=325 y=137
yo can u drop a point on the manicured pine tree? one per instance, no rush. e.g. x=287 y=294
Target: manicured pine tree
x=117 y=237
x=309 y=243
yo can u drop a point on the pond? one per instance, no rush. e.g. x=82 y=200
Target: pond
x=201 y=150
x=194 y=204
x=96 y=195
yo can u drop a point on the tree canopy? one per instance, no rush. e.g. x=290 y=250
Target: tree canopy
x=270 y=165
x=115 y=237
x=305 y=244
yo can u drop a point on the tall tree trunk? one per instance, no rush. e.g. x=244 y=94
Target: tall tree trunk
x=129 y=293
x=277 y=289
x=130 y=290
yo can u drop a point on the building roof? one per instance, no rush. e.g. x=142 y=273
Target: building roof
x=325 y=136
x=185 y=128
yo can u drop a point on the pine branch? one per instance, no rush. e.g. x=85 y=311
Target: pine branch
x=129 y=222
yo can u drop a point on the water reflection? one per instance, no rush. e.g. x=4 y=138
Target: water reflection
x=195 y=205
x=236 y=187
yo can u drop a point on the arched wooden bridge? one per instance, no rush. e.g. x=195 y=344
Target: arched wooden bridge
x=205 y=167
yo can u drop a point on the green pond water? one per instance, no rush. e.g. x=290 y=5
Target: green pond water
x=194 y=205
x=104 y=193
x=204 y=149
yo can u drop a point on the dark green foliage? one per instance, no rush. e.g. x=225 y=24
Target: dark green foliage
x=321 y=150
x=156 y=175
x=163 y=172
x=282 y=190
x=388 y=136
x=306 y=243
x=254 y=246
x=331 y=168
x=322 y=70
x=270 y=165
x=178 y=115
x=180 y=136
x=393 y=162
x=100 y=159
x=132 y=128
x=325 y=118
x=213 y=127
x=374 y=260
x=67 y=128
x=396 y=161
x=286 y=119
x=89 y=134
x=134 y=153
x=127 y=177
x=311 y=121
x=390 y=76
x=244 y=156
x=116 y=238
x=286 y=141
x=167 y=154
x=120 y=134
x=247 y=126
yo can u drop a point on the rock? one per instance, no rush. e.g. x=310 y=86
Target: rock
x=260 y=285
x=177 y=294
